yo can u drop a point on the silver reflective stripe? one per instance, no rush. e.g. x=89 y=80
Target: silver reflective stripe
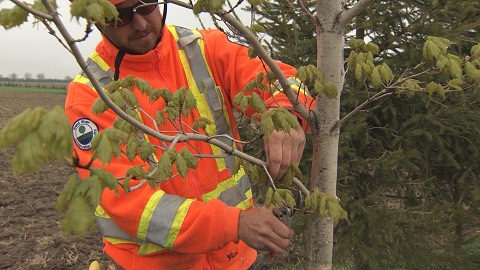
x=108 y=228
x=206 y=85
x=162 y=219
x=194 y=53
x=104 y=77
x=291 y=81
x=235 y=195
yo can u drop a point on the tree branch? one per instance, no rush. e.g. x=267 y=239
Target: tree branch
x=348 y=15
x=33 y=11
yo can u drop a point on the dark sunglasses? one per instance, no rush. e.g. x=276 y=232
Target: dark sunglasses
x=125 y=15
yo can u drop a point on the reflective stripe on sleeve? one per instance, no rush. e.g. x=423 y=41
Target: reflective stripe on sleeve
x=235 y=191
x=162 y=219
x=108 y=228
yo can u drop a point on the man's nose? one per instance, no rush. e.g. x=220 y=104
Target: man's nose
x=138 y=22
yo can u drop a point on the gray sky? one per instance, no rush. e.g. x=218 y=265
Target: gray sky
x=30 y=48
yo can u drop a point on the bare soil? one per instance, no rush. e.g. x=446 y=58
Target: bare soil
x=30 y=229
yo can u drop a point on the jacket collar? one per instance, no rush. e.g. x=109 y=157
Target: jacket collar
x=143 y=62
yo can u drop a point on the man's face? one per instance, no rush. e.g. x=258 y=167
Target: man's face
x=139 y=36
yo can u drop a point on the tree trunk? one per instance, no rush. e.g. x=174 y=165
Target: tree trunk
x=330 y=43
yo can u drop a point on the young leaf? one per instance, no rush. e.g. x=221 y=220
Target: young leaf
x=67 y=193
x=106 y=178
x=189 y=158
x=269 y=197
x=146 y=150
x=131 y=150
x=181 y=166
x=257 y=103
x=79 y=217
x=143 y=86
x=135 y=172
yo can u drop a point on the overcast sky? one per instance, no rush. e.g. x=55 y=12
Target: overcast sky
x=31 y=49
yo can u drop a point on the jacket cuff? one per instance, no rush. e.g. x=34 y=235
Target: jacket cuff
x=229 y=224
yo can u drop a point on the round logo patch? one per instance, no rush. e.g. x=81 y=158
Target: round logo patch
x=83 y=131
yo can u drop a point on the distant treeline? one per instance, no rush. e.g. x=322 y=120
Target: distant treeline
x=46 y=83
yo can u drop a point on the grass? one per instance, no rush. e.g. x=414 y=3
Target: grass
x=32 y=89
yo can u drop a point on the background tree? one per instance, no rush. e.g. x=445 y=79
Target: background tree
x=401 y=159
x=401 y=206
x=13 y=76
x=27 y=76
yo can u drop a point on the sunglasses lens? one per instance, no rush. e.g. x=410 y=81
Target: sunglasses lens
x=125 y=15
x=146 y=10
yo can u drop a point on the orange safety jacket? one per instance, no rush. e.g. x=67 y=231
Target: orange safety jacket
x=187 y=223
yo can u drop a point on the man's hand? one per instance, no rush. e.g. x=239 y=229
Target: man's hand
x=282 y=149
x=262 y=230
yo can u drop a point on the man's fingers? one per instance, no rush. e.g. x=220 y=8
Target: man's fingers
x=282 y=149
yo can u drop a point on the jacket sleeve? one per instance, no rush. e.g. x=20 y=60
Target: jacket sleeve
x=146 y=214
x=231 y=65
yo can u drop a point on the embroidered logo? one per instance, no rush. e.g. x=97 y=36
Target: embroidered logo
x=83 y=131
x=232 y=255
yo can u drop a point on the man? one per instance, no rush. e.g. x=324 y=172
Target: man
x=207 y=220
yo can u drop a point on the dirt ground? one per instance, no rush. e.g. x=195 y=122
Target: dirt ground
x=30 y=232
x=30 y=228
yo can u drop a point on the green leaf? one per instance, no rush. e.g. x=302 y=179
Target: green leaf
x=244 y=103
x=201 y=123
x=146 y=150
x=106 y=178
x=135 y=172
x=269 y=197
x=472 y=72
x=376 y=79
x=190 y=101
x=165 y=165
x=67 y=193
x=252 y=53
x=277 y=198
x=30 y=154
x=189 y=158
x=130 y=98
x=287 y=177
x=356 y=44
x=92 y=189
x=330 y=90
x=10 y=18
x=456 y=84
x=302 y=74
x=131 y=150
x=257 y=102
x=386 y=74
x=79 y=217
x=143 y=86
x=181 y=166
x=335 y=211
x=371 y=47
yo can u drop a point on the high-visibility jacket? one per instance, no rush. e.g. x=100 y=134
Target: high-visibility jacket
x=189 y=223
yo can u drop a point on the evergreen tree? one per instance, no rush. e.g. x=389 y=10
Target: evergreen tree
x=408 y=172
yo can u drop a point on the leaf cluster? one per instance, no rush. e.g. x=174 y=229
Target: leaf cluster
x=41 y=136
x=278 y=119
x=361 y=62
x=280 y=198
x=98 y=11
x=325 y=204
